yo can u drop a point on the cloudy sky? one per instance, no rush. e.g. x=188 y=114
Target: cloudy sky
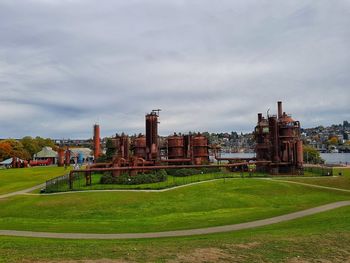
x=209 y=65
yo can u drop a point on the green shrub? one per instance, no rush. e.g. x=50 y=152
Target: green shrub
x=192 y=171
x=158 y=176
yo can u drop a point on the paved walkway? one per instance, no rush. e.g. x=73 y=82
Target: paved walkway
x=178 y=233
x=28 y=190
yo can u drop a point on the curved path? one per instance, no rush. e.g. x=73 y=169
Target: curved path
x=25 y=191
x=178 y=233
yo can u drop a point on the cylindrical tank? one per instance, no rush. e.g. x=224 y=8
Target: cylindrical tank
x=200 y=149
x=152 y=135
x=97 y=142
x=80 y=158
x=60 y=157
x=140 y=147
x=175 y=147
x=300 y=156
x=122 y=146
x=273 y=128
x=151 y=129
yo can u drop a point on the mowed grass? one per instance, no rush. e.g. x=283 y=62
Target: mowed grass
x=12 y=180
x=342 y=182
x=323 y=237
x=171 y=181
x=207 y=204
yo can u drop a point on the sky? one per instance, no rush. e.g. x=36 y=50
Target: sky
x=208 y=65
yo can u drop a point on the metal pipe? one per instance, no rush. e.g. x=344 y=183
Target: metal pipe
x=175 y=160
x=234 y=159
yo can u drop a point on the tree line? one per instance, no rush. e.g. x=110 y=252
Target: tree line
x=24 y=148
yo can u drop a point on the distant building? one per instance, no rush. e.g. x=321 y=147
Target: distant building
x=81 y=155
x=45 y=154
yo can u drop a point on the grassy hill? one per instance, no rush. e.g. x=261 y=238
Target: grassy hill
x=207 y=204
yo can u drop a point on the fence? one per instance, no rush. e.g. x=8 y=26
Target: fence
x=62 y=184
x=57 y=184
x=320 y=170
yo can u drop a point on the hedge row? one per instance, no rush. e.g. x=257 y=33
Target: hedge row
x=191 y=171
x=155 y=177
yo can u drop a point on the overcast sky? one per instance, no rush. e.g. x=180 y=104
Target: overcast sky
x=209 y=65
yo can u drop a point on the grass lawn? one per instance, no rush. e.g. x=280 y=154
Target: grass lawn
x=12 y=180
x=170 y=182
x=208 y=204
x=342 y=182
x=323 y=237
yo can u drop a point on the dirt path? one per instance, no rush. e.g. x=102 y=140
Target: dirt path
x=178 y=233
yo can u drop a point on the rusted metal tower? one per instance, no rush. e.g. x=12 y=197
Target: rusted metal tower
x=278 y=142
x=97 y=142
x=152 y=135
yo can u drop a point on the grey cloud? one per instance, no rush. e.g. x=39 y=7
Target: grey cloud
x=210 y=66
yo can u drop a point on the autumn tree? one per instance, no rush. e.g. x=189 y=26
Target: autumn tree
x=311 y=155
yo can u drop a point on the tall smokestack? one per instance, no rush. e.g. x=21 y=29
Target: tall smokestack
x=279 y=106
x=152 y=135
x=97 y=142
x=259 y=117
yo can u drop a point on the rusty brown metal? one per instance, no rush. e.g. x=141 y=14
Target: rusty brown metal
x=140 y=147
x=122 y=146
x=300 y=154
x=97 y=142
x=278 y=140
x=60 y=157
x=152 y=136
x=176 y=147
x=200 y=149
x=279 y=109
x=67 y=157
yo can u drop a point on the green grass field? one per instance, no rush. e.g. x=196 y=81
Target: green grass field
x=80 y=185
x=324 y=237
x=342 y=181
x=12 y=180
x=207 y=204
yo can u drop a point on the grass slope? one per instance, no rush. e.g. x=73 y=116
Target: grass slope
x=324 y=237
x=342 y=182
x=12 y=180
x=207 y=204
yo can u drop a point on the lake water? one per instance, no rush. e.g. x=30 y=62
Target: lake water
x=330 y=158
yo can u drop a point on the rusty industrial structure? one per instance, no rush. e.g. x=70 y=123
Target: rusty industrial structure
x=63 y=157
x=279 y=149
x=279 y=143
x=147 y=150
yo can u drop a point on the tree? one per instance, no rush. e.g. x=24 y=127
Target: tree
x=311 y=155
x=31 y=145
x=333 y=140
x=13 y=148
x=5 y=150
